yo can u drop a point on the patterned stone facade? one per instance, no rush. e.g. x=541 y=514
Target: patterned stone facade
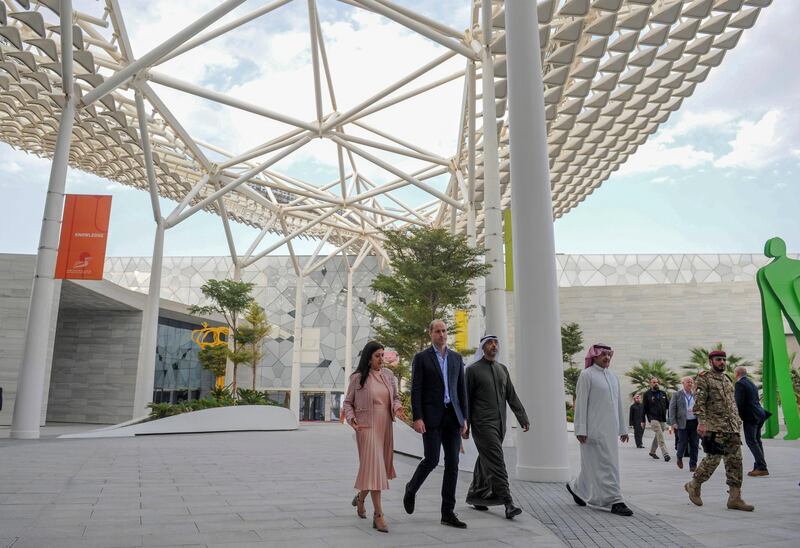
x=275 y=282
x=605 y=270
x=648 y=306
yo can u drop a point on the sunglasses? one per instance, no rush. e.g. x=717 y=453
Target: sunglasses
x=719 y=359
x=608 y=353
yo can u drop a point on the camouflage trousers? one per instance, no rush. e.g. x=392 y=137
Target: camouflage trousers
x=732 y=444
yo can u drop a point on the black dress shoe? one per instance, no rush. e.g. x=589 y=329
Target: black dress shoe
x=408 y=501
x=512 y=510
x=453 y=521
x=654 y=456
x=480 y=507
x=666 y=458
x=579 y=501
x=621 y=510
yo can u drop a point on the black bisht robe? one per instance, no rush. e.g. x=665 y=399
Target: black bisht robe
x=489 y=387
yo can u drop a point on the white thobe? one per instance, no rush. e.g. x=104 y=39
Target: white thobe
x=599 y=416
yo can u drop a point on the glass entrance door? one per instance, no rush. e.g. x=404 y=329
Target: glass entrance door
x=312 y=406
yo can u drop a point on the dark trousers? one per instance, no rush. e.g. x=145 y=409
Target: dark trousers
x=446 y=436
x=752 y=437
x=688 y=441
x=638 y=433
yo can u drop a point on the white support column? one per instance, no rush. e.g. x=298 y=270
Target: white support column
x=541 y=453
x=294 y=398
x=496 y=322
x=32 y=371
x=348 y=329
x=474 y=327
x=146 y=369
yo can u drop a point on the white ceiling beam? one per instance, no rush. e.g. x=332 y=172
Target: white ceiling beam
x=147 y=60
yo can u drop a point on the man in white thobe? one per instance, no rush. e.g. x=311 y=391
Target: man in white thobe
x=599 y=421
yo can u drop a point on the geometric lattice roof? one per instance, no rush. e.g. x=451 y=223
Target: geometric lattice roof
x=614 y=70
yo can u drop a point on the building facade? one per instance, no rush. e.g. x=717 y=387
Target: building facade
x=647 y=307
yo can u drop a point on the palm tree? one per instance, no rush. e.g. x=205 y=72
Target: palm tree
x=699 y=361
x=646 y=370
x=758 y=374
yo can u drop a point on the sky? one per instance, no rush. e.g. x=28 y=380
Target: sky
x=719 y=177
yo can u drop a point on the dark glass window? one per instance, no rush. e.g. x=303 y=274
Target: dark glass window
x=179 y=375
x=312 y=406
x=280 y=397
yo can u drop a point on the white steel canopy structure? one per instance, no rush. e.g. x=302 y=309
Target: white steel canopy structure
x=613 y=71
x=561 y=108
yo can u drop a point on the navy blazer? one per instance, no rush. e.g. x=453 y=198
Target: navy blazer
x=427 y=387
x=747 y=401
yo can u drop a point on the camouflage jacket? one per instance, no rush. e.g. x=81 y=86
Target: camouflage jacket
x=714 y=404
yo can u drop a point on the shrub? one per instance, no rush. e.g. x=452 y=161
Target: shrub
x=248 y=396
x=570 y=412
x=161 y=410
x=405 y=399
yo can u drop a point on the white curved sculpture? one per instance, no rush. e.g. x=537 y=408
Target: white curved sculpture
x=408 y=442
x=219 y=419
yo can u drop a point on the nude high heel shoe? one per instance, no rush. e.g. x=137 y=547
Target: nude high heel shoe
x=379 y=523
x=358 y=502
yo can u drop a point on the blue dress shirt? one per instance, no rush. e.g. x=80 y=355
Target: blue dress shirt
x=443 y=367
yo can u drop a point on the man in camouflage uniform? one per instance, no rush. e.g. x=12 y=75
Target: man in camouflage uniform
x=718 y=424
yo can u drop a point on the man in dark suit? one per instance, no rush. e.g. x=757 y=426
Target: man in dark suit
x=636 y=419
x=753 y=417
x=439 y=410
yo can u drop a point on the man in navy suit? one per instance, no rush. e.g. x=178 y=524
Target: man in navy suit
x=439 y=410
x=753 y=417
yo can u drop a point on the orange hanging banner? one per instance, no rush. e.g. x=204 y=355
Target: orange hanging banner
x=84 y=230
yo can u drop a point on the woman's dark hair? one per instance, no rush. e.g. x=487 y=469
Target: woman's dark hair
x=366 y=356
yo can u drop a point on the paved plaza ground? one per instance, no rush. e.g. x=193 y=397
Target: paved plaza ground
x=261 y=489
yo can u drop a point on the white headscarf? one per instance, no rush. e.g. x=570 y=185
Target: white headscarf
x=486 y=338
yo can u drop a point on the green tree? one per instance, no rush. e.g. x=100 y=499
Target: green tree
x=795 y=373
x=641 y=374
x=698 y=361
x=230 y=299
x=571 y=375
x=250 y=337
x=214 y=359
x=432 y=276
x=571 y=344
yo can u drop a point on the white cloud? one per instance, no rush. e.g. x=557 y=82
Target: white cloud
x=756 y=144
x=655 y=156
x=691 y=121
x=11 y=167
x=662 y=180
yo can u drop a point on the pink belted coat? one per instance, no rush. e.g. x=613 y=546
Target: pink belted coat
x=358 y=404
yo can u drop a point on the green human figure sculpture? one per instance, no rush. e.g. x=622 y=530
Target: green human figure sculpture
x=779 y=284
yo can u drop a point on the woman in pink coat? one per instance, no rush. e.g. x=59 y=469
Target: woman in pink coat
x=370 y=406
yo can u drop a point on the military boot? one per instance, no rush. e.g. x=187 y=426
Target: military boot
x=693 y=488
x=735 y=501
